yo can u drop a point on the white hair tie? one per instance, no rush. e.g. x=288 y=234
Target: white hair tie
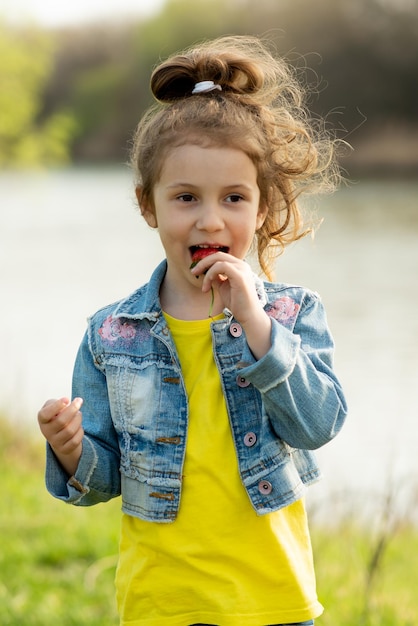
x=204 y=86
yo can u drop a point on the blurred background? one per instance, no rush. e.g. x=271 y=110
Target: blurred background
x=73 y=83
x=74 y=78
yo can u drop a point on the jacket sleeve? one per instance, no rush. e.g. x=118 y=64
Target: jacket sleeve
x=300 y=391
x=97 y=478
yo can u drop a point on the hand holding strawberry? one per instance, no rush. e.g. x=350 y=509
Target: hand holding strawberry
x=233 y=280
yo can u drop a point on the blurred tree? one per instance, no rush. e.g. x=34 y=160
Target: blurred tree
x=102 y=72
x=92 y=75
x=360 y=59
x=25 y=138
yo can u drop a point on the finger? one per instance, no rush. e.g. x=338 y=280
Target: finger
x=217 y=280
x=204 y=264
x=219 y=272
x=70 y=435
x=59 y=410
x=65 y=427
x=51 y=408
x=70 y=411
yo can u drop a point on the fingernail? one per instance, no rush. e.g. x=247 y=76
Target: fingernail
x=78 y=402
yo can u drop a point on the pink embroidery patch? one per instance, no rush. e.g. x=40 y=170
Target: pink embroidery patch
x=114 y=329
x=284 y=310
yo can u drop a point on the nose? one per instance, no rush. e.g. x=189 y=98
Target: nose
x=210 y=218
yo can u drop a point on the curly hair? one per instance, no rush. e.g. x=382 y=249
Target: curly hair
x=260 y=110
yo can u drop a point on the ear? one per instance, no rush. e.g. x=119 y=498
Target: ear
x=261 y=215
x=146 y=208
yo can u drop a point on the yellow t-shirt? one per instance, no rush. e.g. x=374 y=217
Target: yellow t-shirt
x=218 y=562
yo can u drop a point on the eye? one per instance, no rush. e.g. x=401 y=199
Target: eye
x=234 y=197
x=186 y=197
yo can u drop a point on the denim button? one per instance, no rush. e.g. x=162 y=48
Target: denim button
x=265 y=487
x=250 y=440
x=242 y=382
x=235 y=329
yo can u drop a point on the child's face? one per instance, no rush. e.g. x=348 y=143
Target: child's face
x=205 y=196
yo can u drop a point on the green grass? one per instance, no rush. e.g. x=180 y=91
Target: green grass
x=355 y=594
x=57 y=562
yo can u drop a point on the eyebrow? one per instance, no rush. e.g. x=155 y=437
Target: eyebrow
x=226 y=188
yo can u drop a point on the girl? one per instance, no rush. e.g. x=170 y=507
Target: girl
x=205 y=391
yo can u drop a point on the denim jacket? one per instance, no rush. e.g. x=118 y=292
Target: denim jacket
x=135 y=410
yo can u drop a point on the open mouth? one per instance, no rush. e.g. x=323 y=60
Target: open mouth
x=201 y=251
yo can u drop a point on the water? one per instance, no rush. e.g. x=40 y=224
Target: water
x=72 y=241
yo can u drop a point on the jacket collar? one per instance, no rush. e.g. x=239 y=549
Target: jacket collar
x=144 y=303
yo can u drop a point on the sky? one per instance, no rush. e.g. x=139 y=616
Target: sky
x=53 y=13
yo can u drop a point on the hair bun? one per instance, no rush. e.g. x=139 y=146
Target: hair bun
x=224 y=64
x=172 y=80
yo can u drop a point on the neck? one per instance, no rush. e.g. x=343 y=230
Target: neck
x=197 y=306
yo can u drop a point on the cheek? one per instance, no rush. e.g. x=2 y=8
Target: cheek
x=170 y=234
x=244 y=239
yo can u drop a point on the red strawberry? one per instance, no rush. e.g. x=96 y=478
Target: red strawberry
x=200 y=253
